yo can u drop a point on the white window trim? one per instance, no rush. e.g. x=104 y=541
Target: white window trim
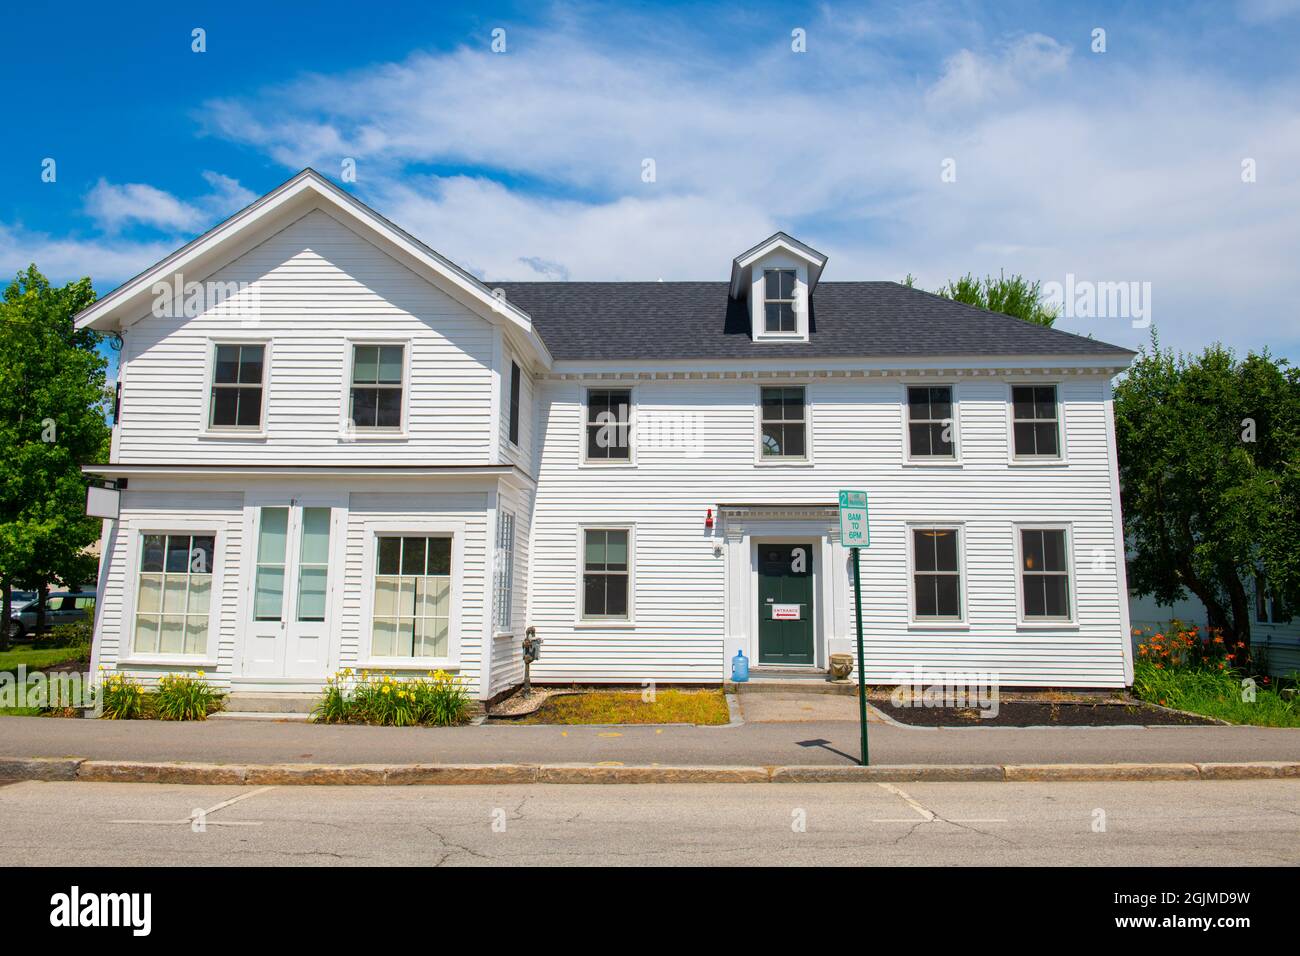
x=758 y=298
x=371 y=531
x=131 y=594
x=1036 y=461
x=1046 y=623
x=932 y=461
x=781 y=461
x=354 y=434
x=580 y=543
x=235 y=432
x=960 y=623
x=583 y=460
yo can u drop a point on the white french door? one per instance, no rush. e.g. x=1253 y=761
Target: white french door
x=289 y=601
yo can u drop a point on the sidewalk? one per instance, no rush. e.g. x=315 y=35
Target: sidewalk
x=811 y=743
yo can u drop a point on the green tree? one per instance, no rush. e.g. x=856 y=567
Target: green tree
x=1014 y=295
x=1209 y=461
x=51 y=422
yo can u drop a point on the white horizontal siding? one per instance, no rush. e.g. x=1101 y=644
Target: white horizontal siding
x=317 y=283
x=857 y=439
x=159 y=510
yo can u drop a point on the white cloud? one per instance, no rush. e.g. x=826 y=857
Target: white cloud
x=64 y=260
x=1107 y=168
x=970 y=78
x=115 y=206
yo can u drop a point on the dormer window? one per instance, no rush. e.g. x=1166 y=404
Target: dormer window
x=776 y=279
x=778 y=301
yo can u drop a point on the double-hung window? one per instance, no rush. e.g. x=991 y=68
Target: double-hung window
x=609 y=424
x=784 y=424
x=412 y=606
x=605 y=573
x=1035 y=423
x=931 y=428
x=503 y=597
x=175 y=593
x=375 y=401
x=779 y=301
x=1044 y=574
x=238 y=384
x=936 y=574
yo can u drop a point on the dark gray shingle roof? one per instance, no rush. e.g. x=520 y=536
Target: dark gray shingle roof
x=697 y=320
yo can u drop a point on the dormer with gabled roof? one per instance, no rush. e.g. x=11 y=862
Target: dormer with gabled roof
x=777 y=278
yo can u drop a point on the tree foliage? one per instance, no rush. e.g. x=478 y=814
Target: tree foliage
x=1209 y=459
x=51 y=422
x=1012 y=295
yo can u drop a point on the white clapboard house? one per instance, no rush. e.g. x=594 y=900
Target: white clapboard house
x=336 y=448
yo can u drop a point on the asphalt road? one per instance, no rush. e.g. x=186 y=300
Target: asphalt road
x=1231 y=823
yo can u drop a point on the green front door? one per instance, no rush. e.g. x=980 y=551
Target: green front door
x=785 y=610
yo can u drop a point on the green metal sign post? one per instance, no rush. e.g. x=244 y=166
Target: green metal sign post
x=855 y=533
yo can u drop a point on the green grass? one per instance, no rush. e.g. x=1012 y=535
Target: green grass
x=1213 y=694
x=670 y=706
x=36 y=658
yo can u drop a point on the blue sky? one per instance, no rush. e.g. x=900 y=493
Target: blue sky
x=1070 y=165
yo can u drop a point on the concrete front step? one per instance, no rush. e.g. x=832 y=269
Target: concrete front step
x=782 y=685
x=250 y=702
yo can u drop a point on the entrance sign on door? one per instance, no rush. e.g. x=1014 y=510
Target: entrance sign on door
x=786 y=612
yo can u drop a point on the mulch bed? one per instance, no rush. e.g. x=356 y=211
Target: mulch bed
x=1022 y=713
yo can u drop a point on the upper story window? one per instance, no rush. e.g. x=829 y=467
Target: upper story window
x=609 y=423
x=930 y=425
x=1035 y=422
x=514 y=403
x=784 y=424
x=238 y=382
x=1044 y=574
x=778 y=301
x=377 y=377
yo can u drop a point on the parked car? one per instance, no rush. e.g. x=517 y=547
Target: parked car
x=61 y=607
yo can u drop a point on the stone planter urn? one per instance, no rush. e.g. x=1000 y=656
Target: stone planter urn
x=841 y=666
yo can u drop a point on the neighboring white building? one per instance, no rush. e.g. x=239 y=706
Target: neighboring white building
x=1274 y=632
x=341 y=449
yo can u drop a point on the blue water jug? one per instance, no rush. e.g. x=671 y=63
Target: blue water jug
x=740 y=668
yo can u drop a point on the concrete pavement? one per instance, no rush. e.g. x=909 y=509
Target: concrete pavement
x=818 y=743
x=1161 y=824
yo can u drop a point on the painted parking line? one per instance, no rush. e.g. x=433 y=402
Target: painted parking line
x=927 y=815
x=198 y=818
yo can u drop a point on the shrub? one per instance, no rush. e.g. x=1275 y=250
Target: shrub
x=124 y=698
x=181 y=697
x=77 y=635
x=438 y=700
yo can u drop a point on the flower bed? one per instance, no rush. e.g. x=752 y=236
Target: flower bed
x=1182 y=668
x=436 y=700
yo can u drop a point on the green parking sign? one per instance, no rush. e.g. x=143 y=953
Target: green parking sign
x=854 y=529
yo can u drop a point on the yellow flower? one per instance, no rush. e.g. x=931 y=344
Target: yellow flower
x=200 y=673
